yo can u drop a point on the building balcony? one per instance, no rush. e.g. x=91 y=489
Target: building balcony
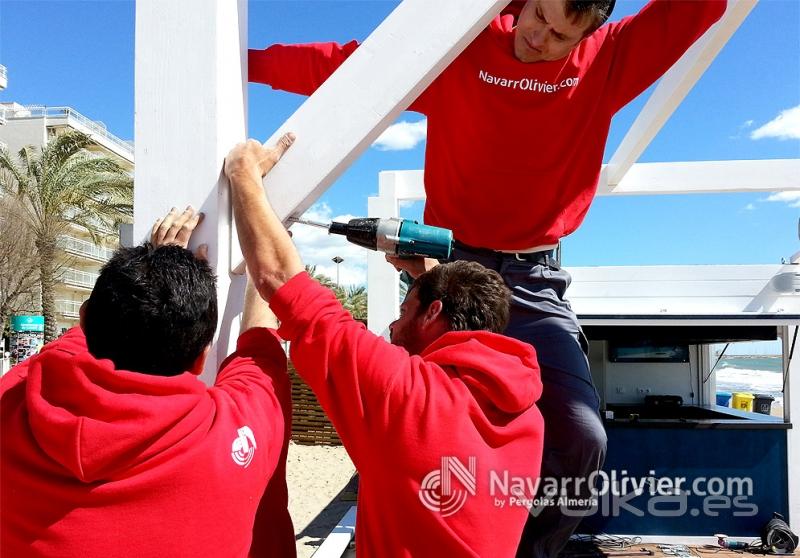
x=68 y=308
x=85 y=249
x=80 y=279
x=67 y=116
x=3 y=77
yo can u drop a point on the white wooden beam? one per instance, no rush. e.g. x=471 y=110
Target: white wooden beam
x=673 y=88
x=791 y=412
x=367 y=93
x=384 y=306
x=701 y=177
x=190 y=110
x=692 y=177
x=337 y=542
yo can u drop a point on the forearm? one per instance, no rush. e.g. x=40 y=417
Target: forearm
x=271 y=257
x=257 y=312
x=297 y=68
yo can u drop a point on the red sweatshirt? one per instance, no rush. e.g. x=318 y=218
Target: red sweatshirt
x=514 y=150
x=103 y=462
x=469 y=395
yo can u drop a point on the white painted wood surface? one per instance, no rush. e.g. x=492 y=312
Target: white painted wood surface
x=673 y=88
x=336 y=543
x=190 y=110
x=385 y=305
x=680 y=177
x=791 y=412
x=704 y=177
x=367 y=93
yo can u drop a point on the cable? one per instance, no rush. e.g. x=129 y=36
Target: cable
x=789 y=360
x=718 y=359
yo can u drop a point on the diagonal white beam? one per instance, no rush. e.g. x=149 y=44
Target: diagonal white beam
x=367 y=93
x=673 y=88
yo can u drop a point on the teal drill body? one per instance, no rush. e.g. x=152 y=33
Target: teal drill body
x=424 y=240
x=397 y=237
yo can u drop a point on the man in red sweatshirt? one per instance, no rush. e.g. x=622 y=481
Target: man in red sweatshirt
x=111 y=446
x=439 y=421
x=517 y=126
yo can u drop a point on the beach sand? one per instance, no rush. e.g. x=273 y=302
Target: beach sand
x=316 y=475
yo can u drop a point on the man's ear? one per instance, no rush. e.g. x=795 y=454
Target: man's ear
x=434 y=311
x=200 y=361
x=82 y=315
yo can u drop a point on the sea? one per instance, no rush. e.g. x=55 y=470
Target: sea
x=756 y=374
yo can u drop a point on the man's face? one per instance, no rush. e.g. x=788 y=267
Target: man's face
x=544 y=32
x=409 y=331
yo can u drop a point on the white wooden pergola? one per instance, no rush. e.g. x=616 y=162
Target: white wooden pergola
x=191 y=108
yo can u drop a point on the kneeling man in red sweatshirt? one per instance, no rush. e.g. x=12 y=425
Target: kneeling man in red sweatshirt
x=111 y=446
x=441 y=423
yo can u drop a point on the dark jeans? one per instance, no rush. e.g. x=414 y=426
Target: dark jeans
x=574 y=440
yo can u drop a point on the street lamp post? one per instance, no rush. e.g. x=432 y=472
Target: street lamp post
x=337 y=260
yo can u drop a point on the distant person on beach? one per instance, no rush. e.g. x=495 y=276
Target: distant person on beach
x=111 y=446
x=517 y=127
x=427 y=419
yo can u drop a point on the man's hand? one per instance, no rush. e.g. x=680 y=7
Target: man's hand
x=252 y=158
x=413 y=266
x=271 y=258
x=177 y=228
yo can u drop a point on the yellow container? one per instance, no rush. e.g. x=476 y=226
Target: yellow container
x=743 y=401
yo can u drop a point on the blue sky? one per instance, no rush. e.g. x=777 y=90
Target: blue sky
x=81 y=54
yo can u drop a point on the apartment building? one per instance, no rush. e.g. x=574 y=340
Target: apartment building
x=22 y=125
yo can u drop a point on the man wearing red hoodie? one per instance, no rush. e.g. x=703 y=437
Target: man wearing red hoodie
x=517 y=127
x=434 y=421
x=110 y=444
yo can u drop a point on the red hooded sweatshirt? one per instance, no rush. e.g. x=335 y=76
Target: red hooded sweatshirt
x=514 y=150
x=418 y=427
x=103 y=462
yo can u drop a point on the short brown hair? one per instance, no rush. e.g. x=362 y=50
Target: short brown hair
x=473 y=297
x=596 y=12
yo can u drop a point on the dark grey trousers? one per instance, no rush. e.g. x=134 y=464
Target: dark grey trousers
x=574 y=440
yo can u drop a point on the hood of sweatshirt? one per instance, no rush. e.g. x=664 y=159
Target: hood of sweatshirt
x=99 y=422
x=499 y=369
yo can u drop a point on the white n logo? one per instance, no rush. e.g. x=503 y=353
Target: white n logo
x=437 y=493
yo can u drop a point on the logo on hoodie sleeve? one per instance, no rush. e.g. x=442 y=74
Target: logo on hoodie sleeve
x=437 y=493
x=244 y=446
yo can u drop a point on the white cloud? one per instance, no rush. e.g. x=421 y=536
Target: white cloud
x=792 y=197
x=402 y=136
x=742 y=127
x=784 y=126
x=749 y=207
x=318 y=248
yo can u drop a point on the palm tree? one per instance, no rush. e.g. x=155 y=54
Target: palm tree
x=353 y=298
x=62 y=185
x=355 y=301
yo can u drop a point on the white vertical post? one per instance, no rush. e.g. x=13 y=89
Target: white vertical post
x=383 y=285
x=191 y=79
x=791 y=412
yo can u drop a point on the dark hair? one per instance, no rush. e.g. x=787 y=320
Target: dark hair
x=596 y=12
x=473 y=297
x=152 y=310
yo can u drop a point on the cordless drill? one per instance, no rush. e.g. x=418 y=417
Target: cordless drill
x=396 y=237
